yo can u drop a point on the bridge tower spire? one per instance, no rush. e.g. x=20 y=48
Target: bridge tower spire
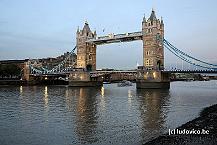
x=86 y=52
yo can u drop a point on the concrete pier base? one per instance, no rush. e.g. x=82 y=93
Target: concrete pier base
x=83 y=79
x=152 y=79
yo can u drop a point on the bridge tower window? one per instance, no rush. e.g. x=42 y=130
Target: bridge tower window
x=147 y=62
x=149 y=30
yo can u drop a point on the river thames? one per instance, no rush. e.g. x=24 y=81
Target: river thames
x=61 y=115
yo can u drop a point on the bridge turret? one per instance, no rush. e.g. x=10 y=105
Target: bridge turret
x=78 y=30
x=153 y=16
x=161 y=21
x=162 y=25
x=153 y=53
x=86 y=52
x=86 y=29
x=144 y=19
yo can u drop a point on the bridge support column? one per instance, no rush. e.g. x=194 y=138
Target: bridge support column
x=83 y=79
x=26 y=72
x=151 y=79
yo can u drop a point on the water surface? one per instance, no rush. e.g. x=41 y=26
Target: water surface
x=61 y=115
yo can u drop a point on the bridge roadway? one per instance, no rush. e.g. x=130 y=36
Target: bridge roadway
x=192 y=71
x=103 y=72
x=93 y=73
x=169 y=71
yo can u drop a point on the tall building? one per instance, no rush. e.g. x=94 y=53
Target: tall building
x=153 y=34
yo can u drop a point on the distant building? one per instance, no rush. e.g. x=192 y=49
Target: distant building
x=12 y=69
x=50 y=62
x=20 y=63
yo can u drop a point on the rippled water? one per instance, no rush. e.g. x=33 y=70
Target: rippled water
x=60 y=115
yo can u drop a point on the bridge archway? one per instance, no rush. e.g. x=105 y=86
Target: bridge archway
x=89 y=67
x=119 y=56
x=159 y=65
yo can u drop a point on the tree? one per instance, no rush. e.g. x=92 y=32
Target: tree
x=9 y=70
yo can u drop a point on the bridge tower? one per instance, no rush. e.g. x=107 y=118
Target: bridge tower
x=153 y=34
x=86 y=59
x=86 y=52
x=151 y=75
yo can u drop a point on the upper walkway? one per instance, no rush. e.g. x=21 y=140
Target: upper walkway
x=115 y=38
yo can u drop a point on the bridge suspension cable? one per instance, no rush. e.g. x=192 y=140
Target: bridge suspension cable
x=188 y=55
x=187 y=58
x=56 y=68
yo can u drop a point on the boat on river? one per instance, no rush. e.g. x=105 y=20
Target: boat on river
x=124 y=83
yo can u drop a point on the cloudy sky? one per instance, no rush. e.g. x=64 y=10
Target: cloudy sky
x=46 y=28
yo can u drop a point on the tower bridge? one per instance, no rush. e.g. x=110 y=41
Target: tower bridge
x=151 y=74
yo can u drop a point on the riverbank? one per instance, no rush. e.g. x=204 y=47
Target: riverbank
x=206 y=121
x=30 y=83
x=12 y=82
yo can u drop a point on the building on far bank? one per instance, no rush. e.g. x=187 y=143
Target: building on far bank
x=50 y=62
x=7 y=66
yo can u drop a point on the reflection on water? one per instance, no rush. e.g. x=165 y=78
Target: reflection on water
x=56 y=115
x=21 y=90
x=102 y=91
x=69 y=93
x=152 y=109
x=86 y=117
x=45 y=97
x=130 y=96
x=102 y=99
